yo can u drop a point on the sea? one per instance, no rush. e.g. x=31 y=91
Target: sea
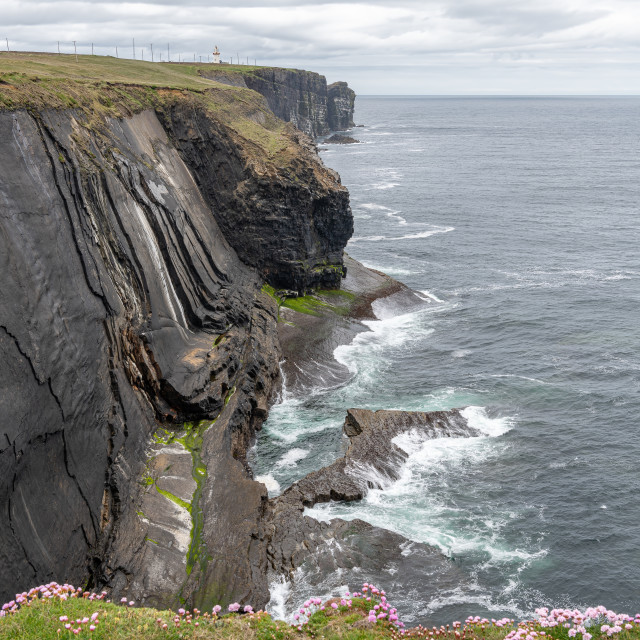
x=518 y=219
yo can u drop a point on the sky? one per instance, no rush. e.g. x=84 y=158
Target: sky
x=406 y=47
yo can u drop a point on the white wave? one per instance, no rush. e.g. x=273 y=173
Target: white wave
x=512 y=375
x=280 y=589
x=461 y=353
x=292 y=457
x=425 y=234
x=430 y=296
x=373 y=206
x=395 y=215
x=477 y=418
x=411 y=236
x=367 y=239
x=273 y=486
x=385 y=334
x=385 y=185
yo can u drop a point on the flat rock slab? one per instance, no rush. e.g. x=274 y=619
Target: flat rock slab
x=371 y=461
x=356 y=552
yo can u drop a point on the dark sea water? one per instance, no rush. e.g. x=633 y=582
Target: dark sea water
x=519 y=219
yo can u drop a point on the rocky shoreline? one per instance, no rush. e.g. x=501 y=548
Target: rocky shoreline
x=162 y=252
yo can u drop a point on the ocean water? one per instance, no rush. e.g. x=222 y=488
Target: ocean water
x=519 y=219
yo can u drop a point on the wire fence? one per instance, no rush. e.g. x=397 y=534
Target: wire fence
x=130 y=51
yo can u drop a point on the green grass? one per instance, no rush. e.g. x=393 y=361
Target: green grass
x=315 y=304
x=40 y=620
x=102 y=86
x=49 y=66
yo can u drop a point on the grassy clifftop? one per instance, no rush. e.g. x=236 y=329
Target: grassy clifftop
x=111 y=87
x=51 y=66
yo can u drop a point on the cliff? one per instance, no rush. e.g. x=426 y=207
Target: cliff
x=142 y=209
x=300 y=97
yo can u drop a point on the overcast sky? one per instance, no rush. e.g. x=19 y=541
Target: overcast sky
x=378 y=47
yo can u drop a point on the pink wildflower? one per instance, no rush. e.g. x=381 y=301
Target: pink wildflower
x=234 y=607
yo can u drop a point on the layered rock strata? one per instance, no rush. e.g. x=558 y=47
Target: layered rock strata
x=134 y=251
x=300 y=97
x=372 y=461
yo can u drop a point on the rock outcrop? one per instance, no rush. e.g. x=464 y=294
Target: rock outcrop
x=135 y=238
x=372 y=461
x=290 y=218
x=300 y=97
x=340 y=105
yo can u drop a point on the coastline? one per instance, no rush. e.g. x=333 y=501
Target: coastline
x=308 y=340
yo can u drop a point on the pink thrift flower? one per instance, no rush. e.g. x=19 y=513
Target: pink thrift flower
x=248 y=609
x=234 y=607
x=92 y=627
x=123 y=600
x=334 y=605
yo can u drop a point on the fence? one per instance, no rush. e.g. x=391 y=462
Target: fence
x=131 y=52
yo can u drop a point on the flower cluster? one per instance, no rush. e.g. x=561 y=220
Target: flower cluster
x=303 y=615
x=76 y=626
x=51 y=591
x=582 y=625
x=381 y=609
x=55 y=591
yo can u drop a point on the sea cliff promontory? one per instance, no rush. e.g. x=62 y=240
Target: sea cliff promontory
x=143 y=209
x=170 y=247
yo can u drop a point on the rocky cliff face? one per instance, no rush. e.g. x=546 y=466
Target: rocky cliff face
x=288 y=218
x=133 y=251
x=300 y=97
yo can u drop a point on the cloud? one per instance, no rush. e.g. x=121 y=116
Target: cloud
x=347 y=39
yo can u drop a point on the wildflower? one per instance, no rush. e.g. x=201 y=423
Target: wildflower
x=234 y=607
x=334 y=605
x=248 y=609
x=123 y=600
x=217 y=609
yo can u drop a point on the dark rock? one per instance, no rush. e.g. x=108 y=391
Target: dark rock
x=300 y=97
x=355 y=552
x=337 y=138
x=124 y=306
x=340 y=105
x=291 y=222
x=308 y=341
x=372 y=461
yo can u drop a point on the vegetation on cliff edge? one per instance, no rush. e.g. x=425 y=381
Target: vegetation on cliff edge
x=99 y=87
x=61 y=611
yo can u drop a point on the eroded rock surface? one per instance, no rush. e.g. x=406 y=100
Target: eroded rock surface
x=372 y=460
x=300 y=97
x=124 y=307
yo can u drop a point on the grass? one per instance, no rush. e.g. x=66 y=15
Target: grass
x=50 y=66
x=318 y=303
x=53 y=612
x=102 y=86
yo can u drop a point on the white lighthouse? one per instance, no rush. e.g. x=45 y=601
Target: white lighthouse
x=216 y=55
